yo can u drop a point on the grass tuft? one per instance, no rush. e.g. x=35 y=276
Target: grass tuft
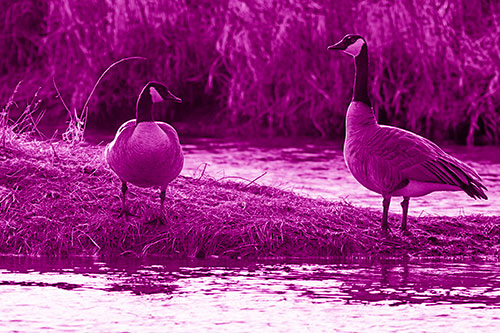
x=61 y=199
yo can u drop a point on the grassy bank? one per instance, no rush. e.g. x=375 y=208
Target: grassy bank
x=61 y=199
x=262 y=66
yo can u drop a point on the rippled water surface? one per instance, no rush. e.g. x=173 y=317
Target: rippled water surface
x=317 y=169
x=164 y=295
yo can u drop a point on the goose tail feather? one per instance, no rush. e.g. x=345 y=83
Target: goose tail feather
x=465 y=177
x=475 y=189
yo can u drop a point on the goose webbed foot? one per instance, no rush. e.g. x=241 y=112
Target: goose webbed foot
x=125 y=212
x=386 y=231
x=161 y=219
x=405 y=232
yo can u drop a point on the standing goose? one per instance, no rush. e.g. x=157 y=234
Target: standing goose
x=392 y=161
x=145 y=152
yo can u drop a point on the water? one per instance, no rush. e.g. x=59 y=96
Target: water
x=164 y=295
x=317 y=169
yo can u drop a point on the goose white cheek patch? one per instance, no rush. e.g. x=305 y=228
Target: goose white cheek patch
x=355 y=48
x=155 y=95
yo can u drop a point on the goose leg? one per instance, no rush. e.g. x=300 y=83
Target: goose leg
x=124 y=211
x=385 y=213
x=162 y=201
x=404 y=205
x=162 y=218
x=124 y=192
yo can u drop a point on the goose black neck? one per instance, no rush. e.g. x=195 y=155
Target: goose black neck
x=144 y=109
x=361 y=77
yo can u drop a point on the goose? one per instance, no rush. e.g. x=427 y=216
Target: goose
x=392 y=161
x=145 y=152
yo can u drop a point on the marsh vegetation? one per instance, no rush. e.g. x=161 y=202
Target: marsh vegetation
x=261 y=67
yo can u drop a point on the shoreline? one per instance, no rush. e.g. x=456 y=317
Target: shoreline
x=58 y=199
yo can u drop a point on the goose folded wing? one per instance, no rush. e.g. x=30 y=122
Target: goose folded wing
x=417 y=158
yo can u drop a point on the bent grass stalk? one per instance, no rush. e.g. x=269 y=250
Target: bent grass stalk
x=78 y=122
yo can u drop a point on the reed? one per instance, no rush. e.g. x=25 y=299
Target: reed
x=435 y=67
x=261 y=67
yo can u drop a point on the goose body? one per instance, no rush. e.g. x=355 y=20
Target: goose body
x=145 y=152
x=392 y=161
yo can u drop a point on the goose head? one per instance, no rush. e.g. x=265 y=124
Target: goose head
x=153 y=92
x=350 y=44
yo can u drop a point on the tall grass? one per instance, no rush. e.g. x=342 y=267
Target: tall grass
x=26 y=125
x=435 y=66
x=261 y=67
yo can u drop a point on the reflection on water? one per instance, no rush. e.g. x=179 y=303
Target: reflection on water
x=157 y=294
x=317 y=169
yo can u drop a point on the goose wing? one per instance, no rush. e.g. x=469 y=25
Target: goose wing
x=169 y=131
x=117 y=144
x=416 y=158
x=173 y=152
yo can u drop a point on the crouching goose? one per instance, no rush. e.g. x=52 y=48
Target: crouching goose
x=145 y=152
x=392 y=161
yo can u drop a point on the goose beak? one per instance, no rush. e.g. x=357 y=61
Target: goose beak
x=337 y=46
x=174 y=98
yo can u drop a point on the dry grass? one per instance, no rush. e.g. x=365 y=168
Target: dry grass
x=61 y=199
x=262 y=66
